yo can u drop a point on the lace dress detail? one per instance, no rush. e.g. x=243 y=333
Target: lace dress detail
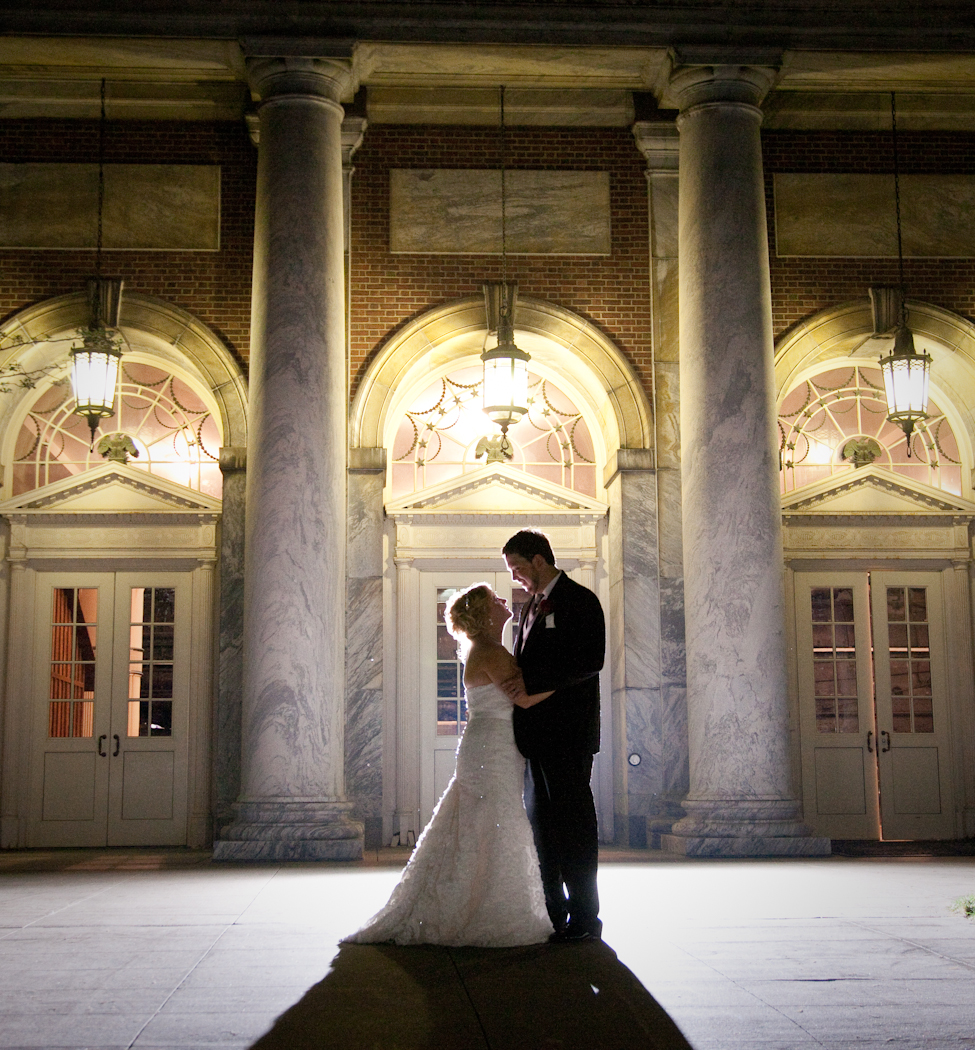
x=473 y=878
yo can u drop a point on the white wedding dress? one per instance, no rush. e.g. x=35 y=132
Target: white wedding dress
x=473 y=878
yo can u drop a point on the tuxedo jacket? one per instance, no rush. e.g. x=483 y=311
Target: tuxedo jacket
x=563 y=650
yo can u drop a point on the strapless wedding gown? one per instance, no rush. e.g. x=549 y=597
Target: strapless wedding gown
x=473 y=878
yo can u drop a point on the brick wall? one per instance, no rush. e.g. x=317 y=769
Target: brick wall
x=214 y=286
x=801 y=287
x=389 y=290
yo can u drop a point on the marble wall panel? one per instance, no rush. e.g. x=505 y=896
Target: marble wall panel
x=364 y=705
x=852 y=215
x=664 y=195
x=666 y=404
x=230 y=675
x=157 y=206
x=643 y=740
x=447 y=211
x=672 y=648
x=674 y=766
x=670 y=544
x=365 y=523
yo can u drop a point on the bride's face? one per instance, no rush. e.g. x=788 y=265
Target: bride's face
x=500 y=613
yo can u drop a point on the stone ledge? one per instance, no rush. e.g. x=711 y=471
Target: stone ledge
x=745 y=846
x=294 y=849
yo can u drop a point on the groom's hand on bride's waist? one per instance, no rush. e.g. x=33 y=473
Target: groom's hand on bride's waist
x=514 y=687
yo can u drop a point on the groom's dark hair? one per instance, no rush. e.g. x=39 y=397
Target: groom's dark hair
x=527 y=543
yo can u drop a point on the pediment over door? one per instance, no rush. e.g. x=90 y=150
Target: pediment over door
x=870 y=490
x=871 y=512
x=470 y=517
x=112 y=511
x=111 y=487
x=495 y=489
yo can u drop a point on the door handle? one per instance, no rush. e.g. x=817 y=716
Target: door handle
x=870 y=741
x=101 y=740
x=118 y=744
x=885 y=739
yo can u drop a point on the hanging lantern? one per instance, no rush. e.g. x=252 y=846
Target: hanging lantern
x=94 y=375
x=905 y=373
x=505 y=390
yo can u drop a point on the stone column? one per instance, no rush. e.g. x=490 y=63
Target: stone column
x=364 y=645
x=742 y=800
x=292 y=803
x=230 y=668
x=659 y=142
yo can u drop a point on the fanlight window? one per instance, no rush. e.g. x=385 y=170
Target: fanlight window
x=837 y=422
x=157 y=415
x=445 y=434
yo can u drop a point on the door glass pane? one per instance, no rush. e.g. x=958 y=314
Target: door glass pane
x=910 y=660
x=71 y=708
x=451 y=703
x=834 y=660
x=519 y=599
x=152 y=615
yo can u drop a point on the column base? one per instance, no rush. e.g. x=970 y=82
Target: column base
x=743 y=828
x=745 y=846
x=286 y=830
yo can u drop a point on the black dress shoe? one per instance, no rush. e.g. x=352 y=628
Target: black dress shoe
x=575 y=934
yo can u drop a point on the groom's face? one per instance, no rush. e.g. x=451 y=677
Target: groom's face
x=525 y=572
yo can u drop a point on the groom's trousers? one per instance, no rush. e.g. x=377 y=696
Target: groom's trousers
x=560 y=806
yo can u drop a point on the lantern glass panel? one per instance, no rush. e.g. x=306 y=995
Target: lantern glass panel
x=94 y=375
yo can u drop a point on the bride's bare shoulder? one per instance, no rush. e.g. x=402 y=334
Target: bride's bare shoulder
x=488 y=662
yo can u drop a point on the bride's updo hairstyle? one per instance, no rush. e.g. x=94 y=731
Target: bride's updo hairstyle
x=468 y=613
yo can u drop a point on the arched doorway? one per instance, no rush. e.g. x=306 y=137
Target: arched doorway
x=445 y=522
x=878 y=552
x=109 y=594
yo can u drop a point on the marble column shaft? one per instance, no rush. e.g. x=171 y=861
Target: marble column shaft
x=292 y=803
x=741 y=800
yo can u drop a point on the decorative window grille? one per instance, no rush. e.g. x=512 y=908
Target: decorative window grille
x=174 y=431
x=837 y=421
x=444 y=434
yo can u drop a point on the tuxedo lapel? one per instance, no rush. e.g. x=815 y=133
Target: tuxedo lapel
x=531 y=616
x=525 y=625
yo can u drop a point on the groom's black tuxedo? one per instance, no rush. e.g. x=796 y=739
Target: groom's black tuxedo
x=563 y=650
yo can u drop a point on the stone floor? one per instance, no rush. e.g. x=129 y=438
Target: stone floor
x=124 y=948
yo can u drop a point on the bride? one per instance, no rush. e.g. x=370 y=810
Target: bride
x=473 y=878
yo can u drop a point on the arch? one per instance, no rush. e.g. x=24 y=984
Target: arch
x=560 y=342
x=841 y=334
x=37 y=337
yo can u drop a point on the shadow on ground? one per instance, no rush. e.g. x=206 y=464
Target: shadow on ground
x=542 y=997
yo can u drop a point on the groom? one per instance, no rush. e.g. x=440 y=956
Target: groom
x=559 y=645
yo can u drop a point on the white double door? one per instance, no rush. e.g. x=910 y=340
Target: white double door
x=109 y=710
x=443 y=711
x=873 y=699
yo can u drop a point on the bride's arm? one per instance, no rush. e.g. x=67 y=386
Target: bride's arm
x=506 y=675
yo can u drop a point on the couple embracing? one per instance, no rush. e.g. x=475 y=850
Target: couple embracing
x=509 y=856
